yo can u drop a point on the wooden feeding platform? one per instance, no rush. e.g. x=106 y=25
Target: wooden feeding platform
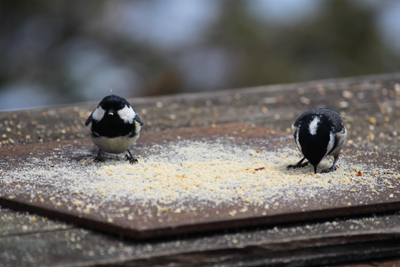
x=211 y=185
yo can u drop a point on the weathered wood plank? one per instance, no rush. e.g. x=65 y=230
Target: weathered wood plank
x=271 y=106
x=19 y=223
x=371 y=105
x=296 y=243
x=66 y=199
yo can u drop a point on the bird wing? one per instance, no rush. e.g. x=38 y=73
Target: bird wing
x=138 y=119
x=89 y=120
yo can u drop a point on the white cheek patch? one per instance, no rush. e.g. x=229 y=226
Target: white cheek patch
x=127 y=114
x=313 y=126
x=98 y=114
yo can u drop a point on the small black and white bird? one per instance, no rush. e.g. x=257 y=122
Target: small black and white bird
x=319 y=133
x=115 y=126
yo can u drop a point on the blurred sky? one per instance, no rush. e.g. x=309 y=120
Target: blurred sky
x=58 y=52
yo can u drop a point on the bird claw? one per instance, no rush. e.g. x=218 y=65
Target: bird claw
x=131 y=159
x=331 y=169
x=298 y=165
x=99 y=158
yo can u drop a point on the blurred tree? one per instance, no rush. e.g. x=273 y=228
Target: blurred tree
x=44 y=45
x=342 y=40
x=32 y=33
x=70 y=49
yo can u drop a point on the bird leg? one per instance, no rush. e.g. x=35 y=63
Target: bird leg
x=333 y=168
x=299 y=164
x=98 y=157
x=131 y=158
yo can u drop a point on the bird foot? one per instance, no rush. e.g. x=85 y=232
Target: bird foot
x=131 y=159
x=331 y=169
x=99 y=158
x=298 y=165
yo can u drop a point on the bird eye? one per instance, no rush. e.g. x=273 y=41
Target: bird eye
x=121 y=106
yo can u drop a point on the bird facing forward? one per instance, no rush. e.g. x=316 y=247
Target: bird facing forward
x=319 y=133
x=115 y=126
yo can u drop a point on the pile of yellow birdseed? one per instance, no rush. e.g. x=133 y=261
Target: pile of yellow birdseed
x=201 y=171
x=212 y=171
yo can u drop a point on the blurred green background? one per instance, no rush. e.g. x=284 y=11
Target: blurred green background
x=57 y=52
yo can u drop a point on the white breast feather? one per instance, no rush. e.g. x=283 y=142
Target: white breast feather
x=116 y=144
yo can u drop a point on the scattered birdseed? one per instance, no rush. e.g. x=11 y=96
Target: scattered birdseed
x=321 y=89
x=372 y=120
x=233 y=212
x=305 y=100
x=347 y=94
x=173 y=176
x=343 y=104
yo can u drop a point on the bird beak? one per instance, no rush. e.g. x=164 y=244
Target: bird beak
x=111 y=112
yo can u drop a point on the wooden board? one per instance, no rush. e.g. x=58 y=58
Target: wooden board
x=56 y=196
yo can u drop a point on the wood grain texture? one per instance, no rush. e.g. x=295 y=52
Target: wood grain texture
x=371 y=105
